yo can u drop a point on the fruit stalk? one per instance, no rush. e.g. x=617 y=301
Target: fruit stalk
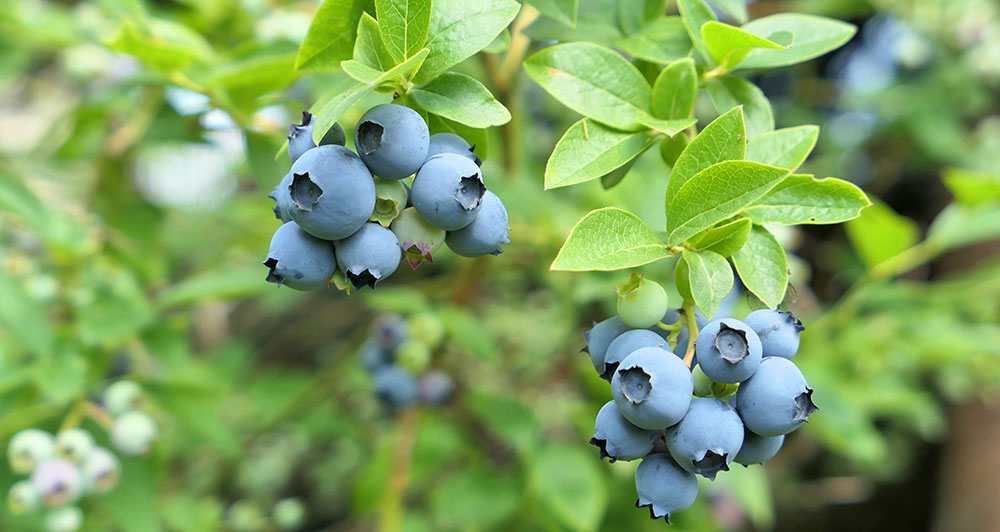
x=692 y=325
x=391 y=515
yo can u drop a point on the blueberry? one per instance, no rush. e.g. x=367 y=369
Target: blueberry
x=122 y=396
x=289 y=514
x=396 y=387
x=374 y=356
x=778 y=331
x=74 y=444
x=282 y=197
x=486 y=232
x=448 y=191
x=599 y=338
x=390 y=200
x=707 y=439
x=652 y=388
x=101 y=470
x=776 y=399
x=57 y=481
x=368 y=256
x=299 y=260
x=436 y=387
x=22 y=497
x=617 y=438
x=728 y=350
x=392 y=140
x=65 y=519
x=332 y=192
x=133 y=433
x=389 y=330
x=452 y=143
x=758 y=449
x=418 y=238
x=28 y=448
x=641 y=302
x=300 y=137
x=625 y=344
x=664 y=487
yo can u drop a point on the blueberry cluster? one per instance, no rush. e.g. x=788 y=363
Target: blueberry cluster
x=399 y=354
x=741 y=399
x=69 y=465
x=354 y=217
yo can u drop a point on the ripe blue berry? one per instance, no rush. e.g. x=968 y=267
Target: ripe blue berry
x=392 y=140
x=707 y=439
x=300 y=137
x=599 y=338
x=389 y=330
x=452 y=143
x=418 y=238
x=652 y=387
x=332 y=192
x=728 y=350
x=641 y=302
x=436 y=387
x=57 y=481
x=617 y=438
x=486 y=232
x=396 y=387
x=334 y=135
x=101 y=470
x=776 y=399
x=778 y=331
x=368 y=256
x=374 y=356
x=133 y=433
x=758 y=449
x=448 y=191
x=625 y=344
x=299 y=260
x=122 y=396
x=664 y=487
x=29 y=448
x=74 y=444
x=282 y=197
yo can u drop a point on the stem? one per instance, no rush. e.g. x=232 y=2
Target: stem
x=99 y=415
x=391 y=515
x=692 y=324
x=75 y=415
x=519 y=43
x=672 y=328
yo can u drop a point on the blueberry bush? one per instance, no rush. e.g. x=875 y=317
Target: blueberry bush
x=657 y=174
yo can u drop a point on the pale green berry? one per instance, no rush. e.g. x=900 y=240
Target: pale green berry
x=289 y=514
x=427 y=328
x=641 y=302
x=122 y=396
x=65 y=519
x=74 y=444
x=22 y=497
x=101 y=470
x=133 y=433
x=246 y=516
x=28 y=448
x=413 y=355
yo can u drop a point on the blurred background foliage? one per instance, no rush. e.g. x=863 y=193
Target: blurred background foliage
x=137 y=146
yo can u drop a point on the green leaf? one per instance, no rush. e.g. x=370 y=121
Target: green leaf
x=369 y=48
x=460 y=29
x=330 y=39
x=236 y=283
x=813 y=36
x=695 y=13
x=23 y=317
x=672 y=147
x=661 y=41
x=735 y=8
x=403 y=25
x=675 y=89
x=682 y=279
x=562 y=10
x=329 y=108
x=506 y=416
x=262 y=74
x=589 y=150
x=609 y=239
x=730 y=45
x=879 y=233
x=710 y=278
x=752 y=491
x=958 y=225
x=343 y=93
x=667 y=127
x=732 y=91
x=475 y=498
x=972 y=188
x=763 y=267
x=460 y=98
x=803 y=199
x=716 y=193
x=724 y=239
x=569 y=485
x=784 y=148
x=593 y=81
x=163 y=45
x=725 y=139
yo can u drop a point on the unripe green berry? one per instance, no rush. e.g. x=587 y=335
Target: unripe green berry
x=427 y=328
x=74 y=444
x=418 y=238
x=29 y=448
x=702 y=384
x=414 y=355
x=641 y=302
x=246 y=516
x=121 y=397
x=289 y=514
x=133 y=433
x=65 y=519
x=390 y=200
x=22 y=498
x=101 y=470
